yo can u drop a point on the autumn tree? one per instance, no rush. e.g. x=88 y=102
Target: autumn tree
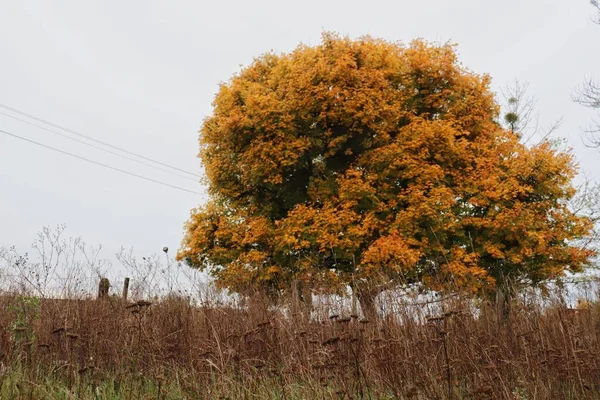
x=369 y=164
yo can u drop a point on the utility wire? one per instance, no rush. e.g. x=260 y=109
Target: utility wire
x=98 y=147
x=95 y=140
x=97 y=163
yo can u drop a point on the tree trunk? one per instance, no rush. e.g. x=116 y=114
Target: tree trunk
x=307 y=300
x=367 y=300
x=503 y=300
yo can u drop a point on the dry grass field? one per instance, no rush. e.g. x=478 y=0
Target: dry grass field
x=170 y=349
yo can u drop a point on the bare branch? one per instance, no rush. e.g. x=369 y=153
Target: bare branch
x=596 y=4
x=586 y=203
x=544 y=133
x=588 y=95
x=521 y=117
x=520 y=108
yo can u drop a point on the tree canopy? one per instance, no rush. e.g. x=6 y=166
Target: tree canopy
x=358 y=161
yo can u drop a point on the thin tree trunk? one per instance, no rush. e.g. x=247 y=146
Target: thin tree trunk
x=503 y=301
x=305 y=292
x=367 y=300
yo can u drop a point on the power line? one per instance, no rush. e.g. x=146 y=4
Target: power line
x=97 y=163
x=98 y=147
x=95 y=140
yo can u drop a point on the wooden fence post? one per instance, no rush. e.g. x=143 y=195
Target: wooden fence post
x=295 y=307
x=125 y=289
x=103 y=287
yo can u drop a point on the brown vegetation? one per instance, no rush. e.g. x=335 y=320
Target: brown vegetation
x=448 y=349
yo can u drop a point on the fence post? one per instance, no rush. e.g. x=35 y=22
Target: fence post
x=125 y=289
x=103 y=287
x=295 y=298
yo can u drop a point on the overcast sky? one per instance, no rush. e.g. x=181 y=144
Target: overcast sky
x=141 y=75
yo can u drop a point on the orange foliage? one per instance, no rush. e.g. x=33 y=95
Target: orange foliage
x=353 y=160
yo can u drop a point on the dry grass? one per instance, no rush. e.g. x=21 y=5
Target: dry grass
x=171 y=349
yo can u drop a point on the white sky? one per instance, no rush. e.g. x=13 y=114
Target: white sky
x=142 y=74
